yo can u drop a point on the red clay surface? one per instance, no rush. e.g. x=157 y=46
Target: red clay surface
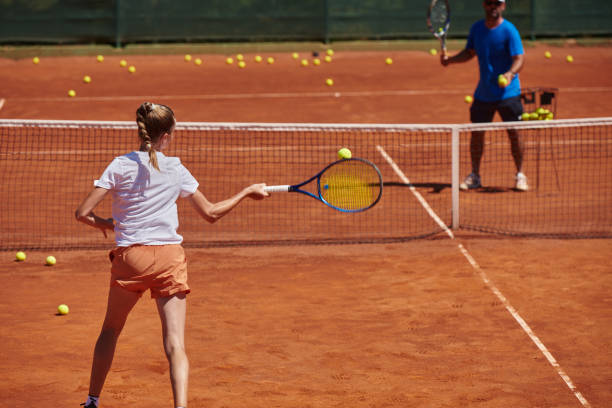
x=401 y=325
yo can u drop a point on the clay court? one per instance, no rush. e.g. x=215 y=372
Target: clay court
x=433 y=322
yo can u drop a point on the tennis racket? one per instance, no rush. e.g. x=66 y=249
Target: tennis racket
x=438 y=21
x=347 y=185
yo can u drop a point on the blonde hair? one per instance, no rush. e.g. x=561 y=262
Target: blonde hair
x=153 y=121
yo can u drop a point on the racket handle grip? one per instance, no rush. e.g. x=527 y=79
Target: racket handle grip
x=276 y=189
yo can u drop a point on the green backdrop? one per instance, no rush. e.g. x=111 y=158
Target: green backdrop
x=127 y=21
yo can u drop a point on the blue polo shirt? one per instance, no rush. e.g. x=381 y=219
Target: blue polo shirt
x=495 y=49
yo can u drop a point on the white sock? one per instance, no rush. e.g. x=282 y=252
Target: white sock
x=91 y=399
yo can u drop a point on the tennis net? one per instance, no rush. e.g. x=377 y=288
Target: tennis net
x=48 y=167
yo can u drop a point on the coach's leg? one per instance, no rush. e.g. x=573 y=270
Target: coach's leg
x=120 y=303
x=517 y=148
x=476 y=150
x=172 y=311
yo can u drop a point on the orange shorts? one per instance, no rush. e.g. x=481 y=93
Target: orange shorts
x=161 y=268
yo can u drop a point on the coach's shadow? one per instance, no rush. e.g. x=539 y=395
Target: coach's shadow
x=436 y=188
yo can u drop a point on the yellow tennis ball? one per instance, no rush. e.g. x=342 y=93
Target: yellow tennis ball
x=258 y=58
x=344 y=153
x=123 y=63
x=549 y=116
x=35 y=60
x=547 y=54
x=534 y=116
x=569 y=58
x=239 y=57
x=316 y=62
x=100 y=58
x=197 y=61
x=295 y=55
x=229 y=60
x=389 y=61
x=270 y=60
x=71 y=93
x=329 y=82
x=87 y=79
x=502 y=81
x=330 y=52
x=328 y=58
x=132 y=69
x=187 y=57
x=241 y=64
x=433 y=51
x=304 y=62
x=468 y=99
x=20 y=256
x=525 y=116
x=50 y=260
x=63 y=309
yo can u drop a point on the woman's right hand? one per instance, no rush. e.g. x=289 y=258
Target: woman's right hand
x=257 y=191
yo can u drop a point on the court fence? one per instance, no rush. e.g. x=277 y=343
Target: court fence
x=120 y=22
x=48 y=167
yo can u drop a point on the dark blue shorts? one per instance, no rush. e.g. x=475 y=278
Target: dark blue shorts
x=509 y=109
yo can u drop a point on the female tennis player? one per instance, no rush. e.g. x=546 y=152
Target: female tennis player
x=144 y=186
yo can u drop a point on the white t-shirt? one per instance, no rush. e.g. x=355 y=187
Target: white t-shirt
x=144 y=199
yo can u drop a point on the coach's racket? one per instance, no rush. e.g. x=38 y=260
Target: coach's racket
x=438 y=21
x=347 y=185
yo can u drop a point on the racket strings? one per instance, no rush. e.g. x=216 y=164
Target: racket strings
x=351 y=185
x=439 y=18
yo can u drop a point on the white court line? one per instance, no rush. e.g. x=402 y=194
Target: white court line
x=543 y=349
x=418 y=195
x=275 y=95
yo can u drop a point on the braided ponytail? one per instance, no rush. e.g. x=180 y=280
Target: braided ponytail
x=153 y=122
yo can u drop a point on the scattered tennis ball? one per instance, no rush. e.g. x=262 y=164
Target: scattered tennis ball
x=547 y=54
x=239 y=57
x=549 y=116
x=295 y=55
x=468 y=99
x=389 y=61
x=502 y=81
x=229 y=60
x=132 y=69
x=344 y=153
x=241 y=64
x=258 y=58
x=433 y=51
x=316 y=62
x=330 y=52
x=87 y=79
x=100 y=58
x=569 y=58
x=63 y=309
x=35 y=60
x=329 y=82
x=525 y=116
x=71 y=93
x=20 y=256
x=50 y=260
x=123 y=63
x=304 y=62
x=328 y=58
x=197 y=61
x=270 y=60
x=187 y=57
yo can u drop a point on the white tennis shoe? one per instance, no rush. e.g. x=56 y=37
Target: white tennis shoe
x=521 y=182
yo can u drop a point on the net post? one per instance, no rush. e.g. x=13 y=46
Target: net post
x=455 y=177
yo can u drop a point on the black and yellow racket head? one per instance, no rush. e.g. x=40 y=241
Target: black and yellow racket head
x=350 y=185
